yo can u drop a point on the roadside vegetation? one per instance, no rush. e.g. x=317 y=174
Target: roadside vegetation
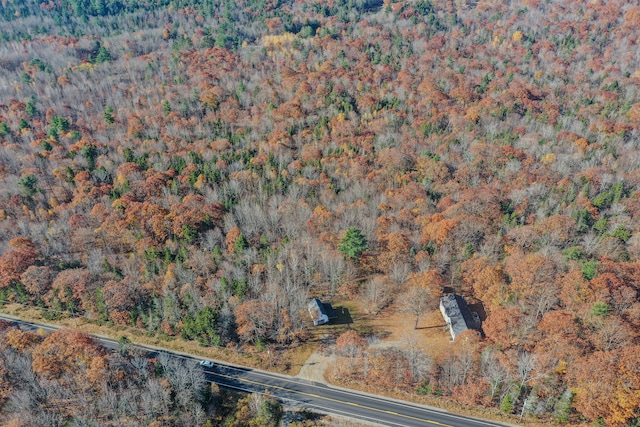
x=191 y=173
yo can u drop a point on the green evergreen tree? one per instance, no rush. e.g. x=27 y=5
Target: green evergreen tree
x=562 y=407
x=61 y=124
x=240 y=244
x=4 y=129
x=31 y=109
x=601 y=309
x=101 y=306
x=590 y=269
x=26 y=78
x=28 y=185
x=166 y=107
x=189 y=233
x=108 y=115
x=90 y=154
x=506 y=406
x=103 y=55
x=201 y=327
x=269 y=413
x=353 y=244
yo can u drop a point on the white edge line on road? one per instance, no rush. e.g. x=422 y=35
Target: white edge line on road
x=320 y=409
x=371 y=396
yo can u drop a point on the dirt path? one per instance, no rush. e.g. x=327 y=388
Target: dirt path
x=315 y=367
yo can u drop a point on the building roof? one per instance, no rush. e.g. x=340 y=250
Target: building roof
x=318 y=308
x=317 y=305
x=457 y=314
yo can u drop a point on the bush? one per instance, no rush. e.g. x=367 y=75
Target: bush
x=590 y=269
x=563 y=407
x=269 y=413
x=600 y=309
x=506 y=406
x=574 y=253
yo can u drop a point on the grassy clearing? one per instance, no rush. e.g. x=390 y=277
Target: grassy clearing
x=391 y=326
x=350 y=316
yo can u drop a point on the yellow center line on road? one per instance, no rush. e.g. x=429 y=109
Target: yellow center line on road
x=330 y=399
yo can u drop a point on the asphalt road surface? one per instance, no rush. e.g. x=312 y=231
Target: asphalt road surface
x=316 y=397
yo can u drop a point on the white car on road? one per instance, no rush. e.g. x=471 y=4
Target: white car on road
x=206 y=364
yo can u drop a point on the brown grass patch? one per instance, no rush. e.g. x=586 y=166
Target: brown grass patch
x=393 y=327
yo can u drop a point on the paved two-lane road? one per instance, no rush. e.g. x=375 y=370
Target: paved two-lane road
x=375 y=409
x=331 y=400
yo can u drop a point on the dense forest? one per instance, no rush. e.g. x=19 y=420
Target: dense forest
x=67 y=379
x=47 y=381
x=201 y=169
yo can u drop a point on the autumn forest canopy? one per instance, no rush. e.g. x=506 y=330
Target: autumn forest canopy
x=202 y=168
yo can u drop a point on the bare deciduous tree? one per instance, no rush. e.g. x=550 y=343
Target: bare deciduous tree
x=416 y=300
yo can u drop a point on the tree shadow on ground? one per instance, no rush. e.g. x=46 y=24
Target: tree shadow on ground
x=444 y=325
